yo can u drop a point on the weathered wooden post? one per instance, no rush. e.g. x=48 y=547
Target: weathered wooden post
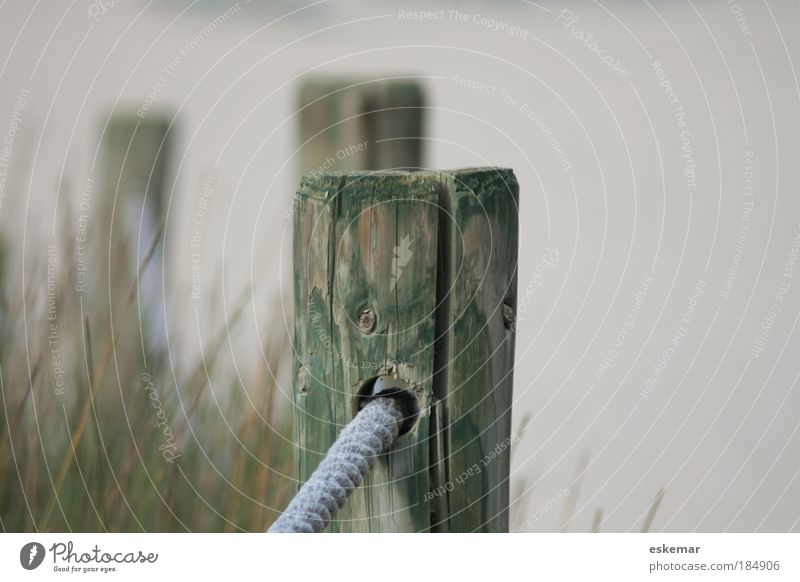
x=411 y=274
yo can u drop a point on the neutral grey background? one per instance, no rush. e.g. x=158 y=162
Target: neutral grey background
x=718 y=431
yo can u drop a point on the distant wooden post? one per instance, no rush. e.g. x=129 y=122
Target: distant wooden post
x=132 y=203
x=412 y=274
x=351 y=124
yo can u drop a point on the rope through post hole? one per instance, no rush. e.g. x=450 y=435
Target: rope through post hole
x=373 y=430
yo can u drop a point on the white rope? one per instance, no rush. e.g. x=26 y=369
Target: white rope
x=343 y=469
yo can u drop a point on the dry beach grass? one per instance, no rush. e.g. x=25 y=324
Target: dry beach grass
x=101 y=431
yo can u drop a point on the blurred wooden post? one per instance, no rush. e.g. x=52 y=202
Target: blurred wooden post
x=347 y=124
x=413 y=274
x=131 y=203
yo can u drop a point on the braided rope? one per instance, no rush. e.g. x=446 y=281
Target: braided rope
x=343 y=469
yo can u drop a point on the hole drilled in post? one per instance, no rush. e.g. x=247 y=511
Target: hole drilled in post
x=387 y=386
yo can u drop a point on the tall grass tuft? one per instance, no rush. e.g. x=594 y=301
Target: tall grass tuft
x=102 y=431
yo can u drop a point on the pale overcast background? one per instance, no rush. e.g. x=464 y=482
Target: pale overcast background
x=659 y=167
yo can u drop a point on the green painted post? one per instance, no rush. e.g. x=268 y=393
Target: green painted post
x=412 y=274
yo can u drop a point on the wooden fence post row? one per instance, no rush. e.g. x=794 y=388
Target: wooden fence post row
x=413 y=274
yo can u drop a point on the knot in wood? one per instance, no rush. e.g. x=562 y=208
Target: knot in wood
x=367 y=320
